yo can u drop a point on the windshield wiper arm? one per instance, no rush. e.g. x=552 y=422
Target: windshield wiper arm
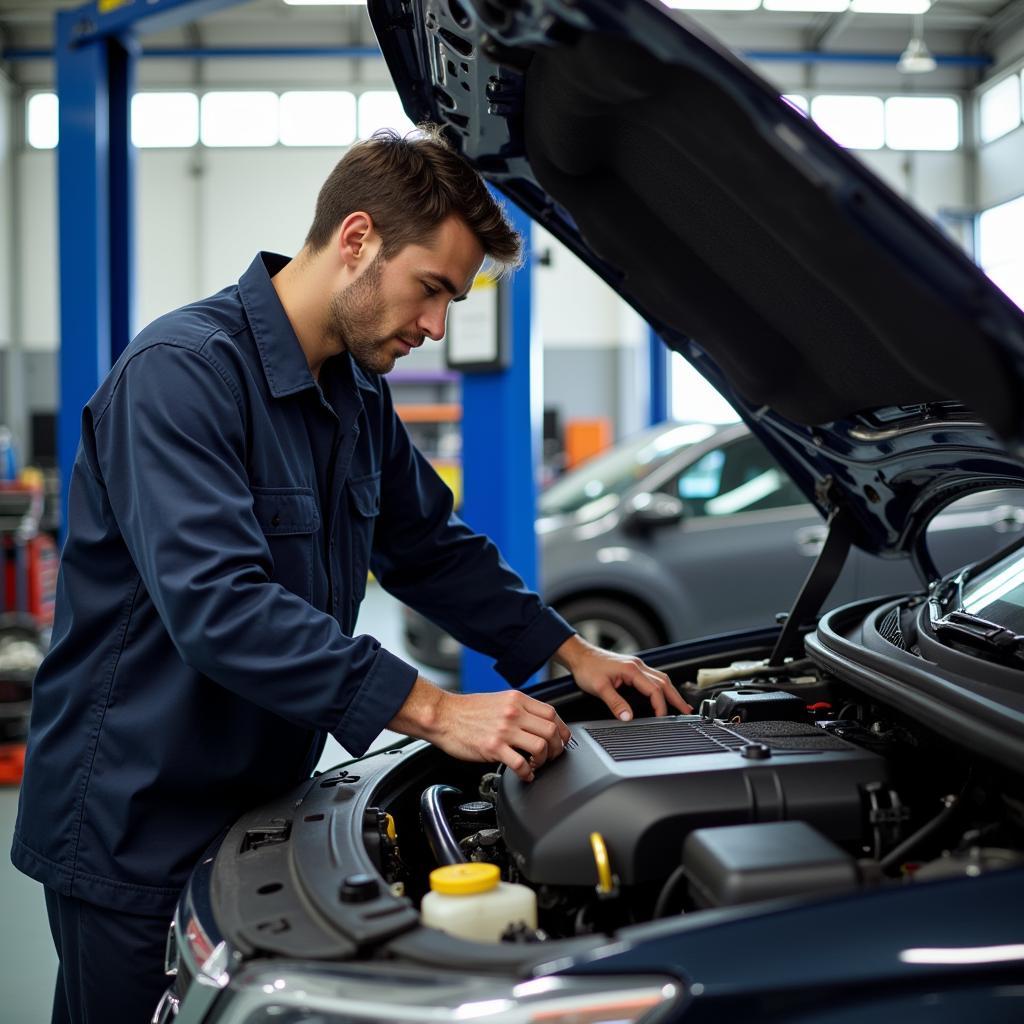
x=974 y=631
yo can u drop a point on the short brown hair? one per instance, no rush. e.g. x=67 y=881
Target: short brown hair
x=408 y=185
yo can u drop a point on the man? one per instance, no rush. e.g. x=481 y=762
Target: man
x=240 y=470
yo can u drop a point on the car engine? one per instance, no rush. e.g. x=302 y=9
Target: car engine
x=789 y=785
x=644 y=785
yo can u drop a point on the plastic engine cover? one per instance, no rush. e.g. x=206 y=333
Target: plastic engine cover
x=645 y=785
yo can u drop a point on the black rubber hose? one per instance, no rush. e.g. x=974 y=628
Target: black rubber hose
x=896 y=854
x=443 y=844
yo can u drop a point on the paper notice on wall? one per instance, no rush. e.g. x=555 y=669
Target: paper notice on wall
x=473 y=335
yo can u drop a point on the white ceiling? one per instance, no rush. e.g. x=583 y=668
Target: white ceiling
x=961 y=25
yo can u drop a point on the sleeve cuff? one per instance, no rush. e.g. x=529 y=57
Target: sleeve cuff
x=546 y=632
x=382 y=693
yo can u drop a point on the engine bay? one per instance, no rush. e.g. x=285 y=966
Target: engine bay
x=789 y=783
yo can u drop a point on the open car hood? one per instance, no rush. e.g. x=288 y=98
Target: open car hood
x=867 y=352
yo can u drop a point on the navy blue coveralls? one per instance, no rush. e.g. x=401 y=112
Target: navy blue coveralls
x=223 y=512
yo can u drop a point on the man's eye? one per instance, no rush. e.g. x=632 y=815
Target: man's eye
x=431 y=292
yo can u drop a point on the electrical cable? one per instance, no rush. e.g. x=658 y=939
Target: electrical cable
x=668 y=891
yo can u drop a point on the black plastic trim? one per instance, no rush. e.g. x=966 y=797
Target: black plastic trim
x=943 y=703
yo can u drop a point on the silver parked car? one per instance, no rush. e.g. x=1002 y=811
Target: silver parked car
x=690 y=529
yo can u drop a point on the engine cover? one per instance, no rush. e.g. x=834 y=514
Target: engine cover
x=645 y=785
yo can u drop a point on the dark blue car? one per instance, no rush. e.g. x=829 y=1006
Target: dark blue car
x=838 y=835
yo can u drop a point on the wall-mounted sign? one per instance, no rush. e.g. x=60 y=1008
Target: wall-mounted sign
x=474 y=341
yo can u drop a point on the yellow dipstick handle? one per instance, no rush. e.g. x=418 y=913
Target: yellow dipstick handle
x=604 y=867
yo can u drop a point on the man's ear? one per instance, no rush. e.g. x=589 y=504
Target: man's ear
x=357 y=239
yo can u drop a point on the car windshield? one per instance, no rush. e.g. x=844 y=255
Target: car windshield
x=998 y=593
x=614 y=472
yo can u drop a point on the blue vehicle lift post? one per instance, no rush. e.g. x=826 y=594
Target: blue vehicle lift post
x=659 y=370
x=501 y=430
x=96 y=53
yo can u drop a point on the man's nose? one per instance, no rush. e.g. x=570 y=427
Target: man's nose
x=433 y=322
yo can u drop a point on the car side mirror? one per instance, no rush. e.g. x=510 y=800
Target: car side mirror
x=645 y=511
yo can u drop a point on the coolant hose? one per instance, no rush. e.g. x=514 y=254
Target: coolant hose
x=894 y=856
x=443 y=844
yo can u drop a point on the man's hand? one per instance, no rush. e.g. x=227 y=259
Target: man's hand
x=601 y=673
x=507 y=726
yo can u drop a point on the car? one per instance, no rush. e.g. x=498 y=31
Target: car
x=838 y=834
x=688 y=529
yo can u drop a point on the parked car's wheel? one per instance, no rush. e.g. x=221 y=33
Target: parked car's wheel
x=610 y=624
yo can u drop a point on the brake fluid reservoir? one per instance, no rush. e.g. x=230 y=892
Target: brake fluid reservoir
x=471 y=901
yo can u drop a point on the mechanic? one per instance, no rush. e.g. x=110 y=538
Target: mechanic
x=241 y=468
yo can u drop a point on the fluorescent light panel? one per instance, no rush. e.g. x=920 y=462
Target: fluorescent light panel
x=890 y=6
x=325 y=3
x=714 y=5
x=824 y=6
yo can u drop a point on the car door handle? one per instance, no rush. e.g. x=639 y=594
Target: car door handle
x=1007 y=519
x=811 y=539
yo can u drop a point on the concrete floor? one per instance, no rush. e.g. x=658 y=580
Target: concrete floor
x=28 y=963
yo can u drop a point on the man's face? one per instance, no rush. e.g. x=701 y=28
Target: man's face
x=395 y=304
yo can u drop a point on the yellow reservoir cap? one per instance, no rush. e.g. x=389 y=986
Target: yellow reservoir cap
x=464 y=879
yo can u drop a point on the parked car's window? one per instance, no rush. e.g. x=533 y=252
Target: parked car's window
x=975 y=526
x=738 y=477
x=616 y=471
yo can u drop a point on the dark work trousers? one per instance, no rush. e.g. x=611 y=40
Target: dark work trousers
x=111 y=963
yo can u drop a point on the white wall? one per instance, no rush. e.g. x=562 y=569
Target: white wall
x=575 y=307
x=203 y=213
x=6 y=209
x=37 y=249
x=201 y=216
x=1001 y=163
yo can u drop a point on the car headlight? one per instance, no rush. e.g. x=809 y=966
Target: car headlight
x=283 y=994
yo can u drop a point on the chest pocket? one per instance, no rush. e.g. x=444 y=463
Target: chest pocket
x=289 y=519
x=364 y=500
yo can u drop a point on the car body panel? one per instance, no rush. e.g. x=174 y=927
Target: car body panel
x=834 y=961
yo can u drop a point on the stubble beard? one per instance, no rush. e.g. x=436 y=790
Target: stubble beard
x=355 y=318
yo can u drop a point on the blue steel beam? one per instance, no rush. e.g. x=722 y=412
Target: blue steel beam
x=658 y=366
x=260 y=52
x=501 y=430
x=96 y=54
x=121 y=58
x=270 y=52
x=105 y=18
x=961 y=60
x=94 y=85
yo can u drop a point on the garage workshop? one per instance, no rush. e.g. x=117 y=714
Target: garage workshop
x=511 y=510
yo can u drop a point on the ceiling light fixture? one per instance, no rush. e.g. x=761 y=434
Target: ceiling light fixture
x=917 y=59
x=810 y=6
x=890 y=6
x=714 y=5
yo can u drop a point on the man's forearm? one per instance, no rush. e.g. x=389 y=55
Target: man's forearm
x=572 y=651
x=420 y=716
